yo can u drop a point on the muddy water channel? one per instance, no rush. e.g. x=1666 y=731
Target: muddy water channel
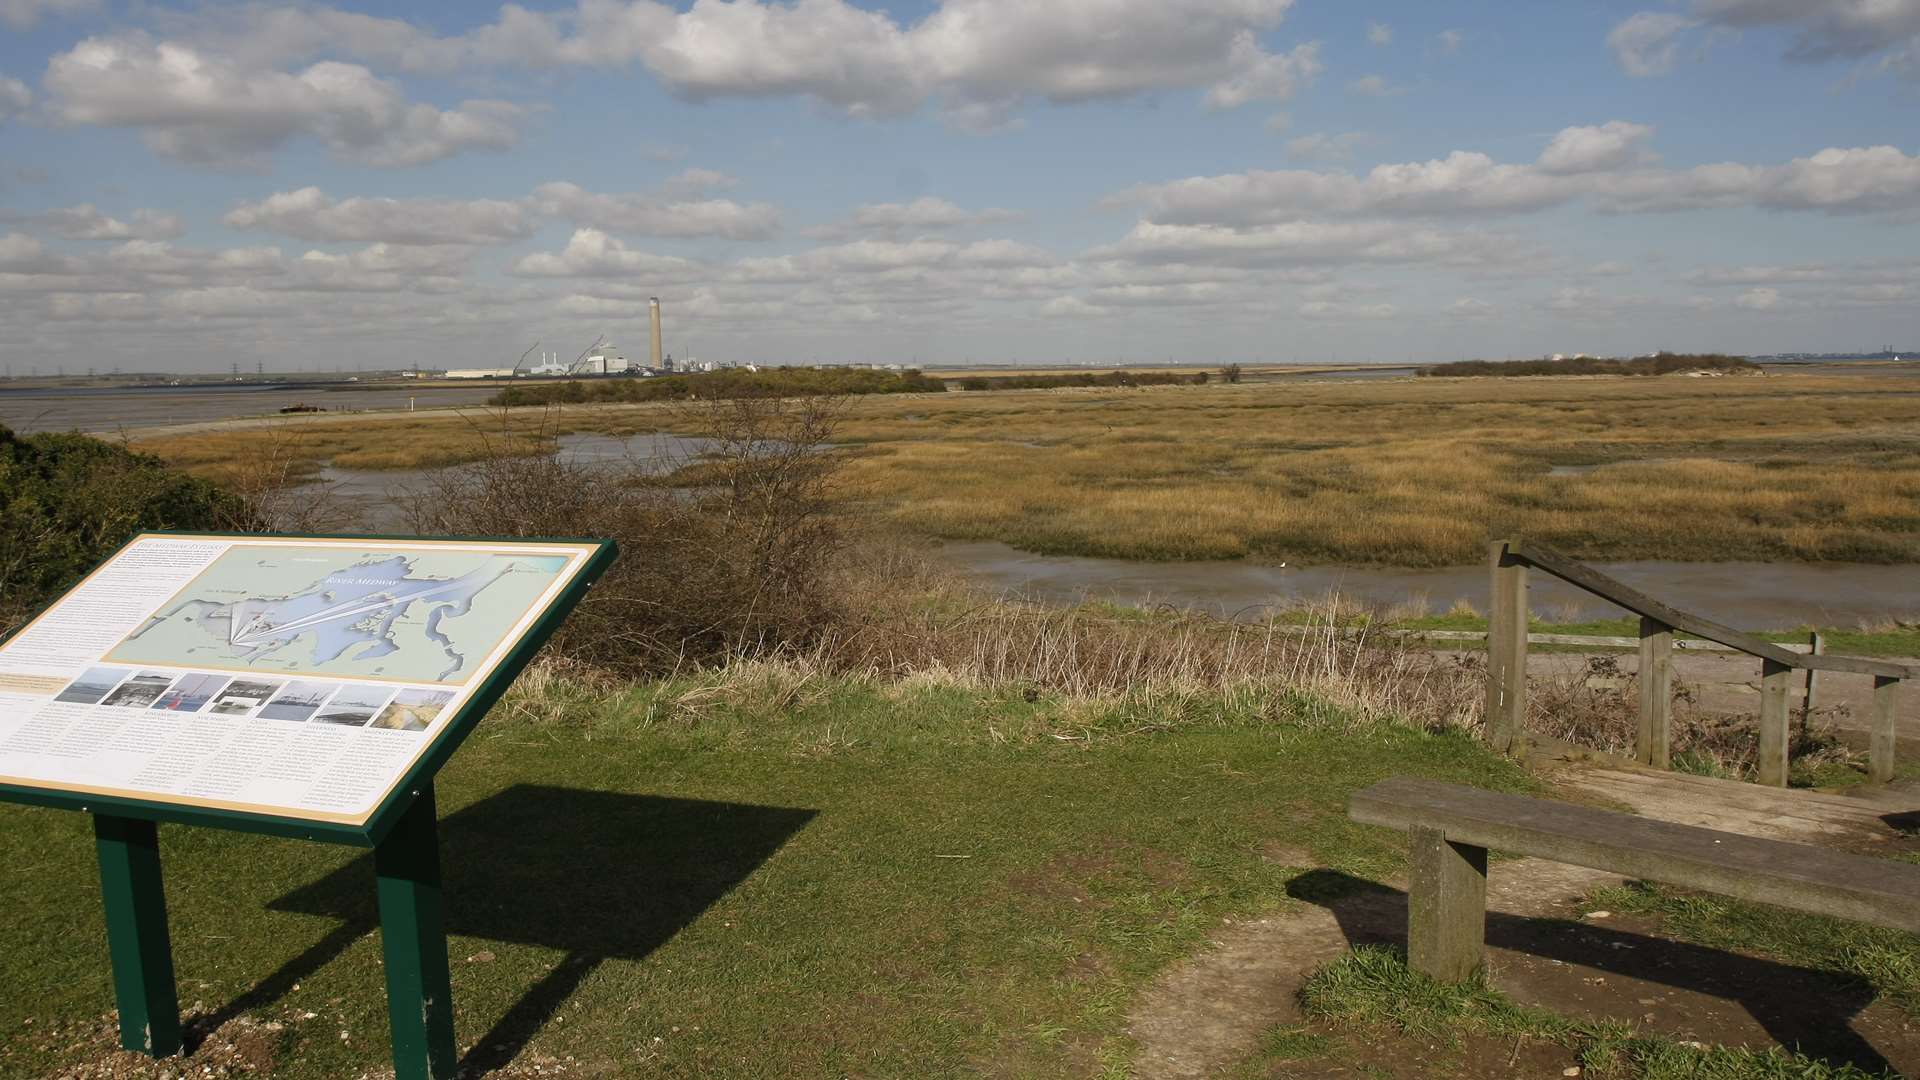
x=377 y=497
x=1750 y=596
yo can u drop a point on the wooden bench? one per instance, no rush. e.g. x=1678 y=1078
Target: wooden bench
x=1451 y=827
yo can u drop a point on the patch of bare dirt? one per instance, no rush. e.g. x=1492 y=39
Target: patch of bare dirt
x=1213 y=1011
x=242 y=1046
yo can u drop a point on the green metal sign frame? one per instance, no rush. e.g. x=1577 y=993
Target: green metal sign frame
x=402 y=831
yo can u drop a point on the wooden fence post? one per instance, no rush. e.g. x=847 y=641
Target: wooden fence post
x=1506 y=713
x=1817 y=646
x=1655 y=747
x=1774 y=680
x=1880 y=754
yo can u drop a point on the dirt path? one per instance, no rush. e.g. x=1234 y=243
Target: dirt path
x=1203 y=1016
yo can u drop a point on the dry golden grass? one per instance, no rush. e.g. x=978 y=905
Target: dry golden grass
x=1413 y=472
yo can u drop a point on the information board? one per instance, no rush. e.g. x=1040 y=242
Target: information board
x=300 y=679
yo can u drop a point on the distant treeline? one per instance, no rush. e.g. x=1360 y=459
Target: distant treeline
x=725 y=383
x=1103 y=378
x=1657 y=364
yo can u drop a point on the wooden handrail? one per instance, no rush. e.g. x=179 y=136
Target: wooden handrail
x=1506 y=710
x=1623 y=595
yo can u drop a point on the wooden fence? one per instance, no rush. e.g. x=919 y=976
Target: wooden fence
x=1509 y=561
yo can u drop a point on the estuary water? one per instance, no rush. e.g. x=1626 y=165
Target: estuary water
x=1749 y=596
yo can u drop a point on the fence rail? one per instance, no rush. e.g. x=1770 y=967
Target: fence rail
x=1507 y=640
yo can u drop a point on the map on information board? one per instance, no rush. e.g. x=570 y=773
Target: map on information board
x=416 y=617
x=291 y=677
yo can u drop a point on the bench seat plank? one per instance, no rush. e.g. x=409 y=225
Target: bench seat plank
x=1798 y=876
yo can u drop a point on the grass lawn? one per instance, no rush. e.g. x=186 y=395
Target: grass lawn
x=772 y=878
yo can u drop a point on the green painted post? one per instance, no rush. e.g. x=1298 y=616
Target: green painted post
x=129 y=850
x=413 y=937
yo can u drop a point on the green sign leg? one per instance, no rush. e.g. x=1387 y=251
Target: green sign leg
x=136 y=906
x=413 y=934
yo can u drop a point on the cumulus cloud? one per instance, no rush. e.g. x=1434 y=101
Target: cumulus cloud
x=15 y=98
x=25 y=14
x=1611 y=165
x=1762 y=299
x=1375 y=86
x=1820 y=30
x=656 y=213
x=311 y=214
x=592 y=253
x=205 y=109
x=86 y=222
x=1648 y=43
x=978 y=60
x=1449 y=41
x=1324 y=146
x=1306 y=243
x=1612 y=145
x=925 y=214
x=1379 y=33
x=1468 y=307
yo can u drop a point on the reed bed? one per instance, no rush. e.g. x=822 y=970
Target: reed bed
x=1410 y=472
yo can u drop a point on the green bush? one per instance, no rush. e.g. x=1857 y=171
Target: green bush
x=1657 y=364
x=1091 y=378
x=727 y=383
x=68 y=500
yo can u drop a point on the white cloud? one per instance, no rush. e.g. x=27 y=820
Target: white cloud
x=86 y=222
x=1614 y=145
x=1469 y=308
x=1826 y=29
x=1648 y=43
x=978 y=60
x=1322 y=146
x=1262 y=76
x=1610 y=165
x=1279 y=122
x=22 y=254
x=1334 y=311
x=592 y=253
x=1379 y=33
x=311 y=214
x=1449 y=41
x=1758 y=299
x=24 y=14
x=656 y=213
x=925 y=214
x=1822 y=30
x=1870 y=179
x=1758 y=275
x=204 y=109
x=15 y=98
x=1375 y=86
x=662 y=153
x=1306 y=243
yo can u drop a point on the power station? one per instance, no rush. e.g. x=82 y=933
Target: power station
x=603 y=357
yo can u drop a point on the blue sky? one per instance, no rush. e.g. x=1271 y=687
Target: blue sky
x=193 y=186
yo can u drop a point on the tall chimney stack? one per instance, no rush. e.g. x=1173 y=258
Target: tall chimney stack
x=653 y=305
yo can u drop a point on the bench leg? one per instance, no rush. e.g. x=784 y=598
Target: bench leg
x=1446 y=906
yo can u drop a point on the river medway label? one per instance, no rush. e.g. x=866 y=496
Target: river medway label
x=293 y=676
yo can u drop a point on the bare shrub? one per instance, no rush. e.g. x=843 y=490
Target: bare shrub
x=719 y=557
x=1598 y=706
x=1088 y=652
x=277 y=492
